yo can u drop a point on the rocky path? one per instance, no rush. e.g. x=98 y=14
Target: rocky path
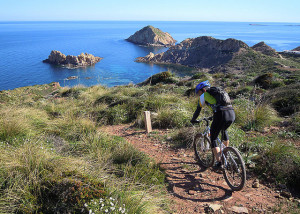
x=193 y=190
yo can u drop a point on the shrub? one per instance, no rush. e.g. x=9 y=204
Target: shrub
x=286 y=100
x=265 y=80
x=171 y=118
x=165 y=77
x=282 y=162
x=246 y=91
x=117 y=114
x=21 y=122
x=68 y=195
x=184 y=137
x=253 y=116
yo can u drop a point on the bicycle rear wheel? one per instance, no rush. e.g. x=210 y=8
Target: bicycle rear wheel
x=203 y=151
x=234 y=168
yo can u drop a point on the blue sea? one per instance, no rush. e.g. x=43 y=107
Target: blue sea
x=23 y=46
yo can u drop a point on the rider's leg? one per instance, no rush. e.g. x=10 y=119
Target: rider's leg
x=216 y=152
x=215 y=129
x=229 y=117
x=226 y=143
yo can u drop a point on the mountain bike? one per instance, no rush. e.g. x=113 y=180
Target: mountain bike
x=233 y=165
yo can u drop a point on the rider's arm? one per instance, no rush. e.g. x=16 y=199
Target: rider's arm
x=196 y=113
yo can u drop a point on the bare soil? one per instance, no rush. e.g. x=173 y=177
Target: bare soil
x=192 y=189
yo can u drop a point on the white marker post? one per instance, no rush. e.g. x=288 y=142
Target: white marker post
x=148 y=122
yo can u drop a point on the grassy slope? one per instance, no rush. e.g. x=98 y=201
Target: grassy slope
x=51 y=144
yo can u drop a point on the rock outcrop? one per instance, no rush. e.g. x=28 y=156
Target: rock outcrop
x=69 y=61
x=200 y=52
x=296 y=49
x=151 y=36
x=265 y=49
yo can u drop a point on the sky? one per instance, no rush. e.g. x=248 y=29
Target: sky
x=151 y=10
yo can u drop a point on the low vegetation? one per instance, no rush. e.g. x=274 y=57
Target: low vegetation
x=56 y=158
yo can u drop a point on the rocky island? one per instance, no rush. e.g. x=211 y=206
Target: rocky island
x=200 y=52
x=69 y=61
x=151 y=36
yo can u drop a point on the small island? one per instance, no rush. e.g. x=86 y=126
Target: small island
x=151 y=36
x=69 y=61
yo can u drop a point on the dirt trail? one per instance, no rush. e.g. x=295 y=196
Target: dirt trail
x=191 y=189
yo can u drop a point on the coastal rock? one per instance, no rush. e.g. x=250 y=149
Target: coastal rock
x=265 y=49
x=151 y=36
x=69 y=61
x=296 y=49
x=200 y=52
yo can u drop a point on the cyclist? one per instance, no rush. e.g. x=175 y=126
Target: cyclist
x=223 y=115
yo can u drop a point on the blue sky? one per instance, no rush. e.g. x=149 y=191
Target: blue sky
x=154 y=10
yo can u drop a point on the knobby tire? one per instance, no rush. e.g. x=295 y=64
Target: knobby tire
x=235 y=170
x=204 y=156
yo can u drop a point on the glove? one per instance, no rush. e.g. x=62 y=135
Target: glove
x=195 y=121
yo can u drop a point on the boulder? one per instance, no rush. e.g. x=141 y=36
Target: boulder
x=151 y=36
x=236 y=209
x=69 y=61
x=200 y=52
x=265 y=49
x=56 y=57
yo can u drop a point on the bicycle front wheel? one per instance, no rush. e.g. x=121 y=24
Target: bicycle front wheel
x=234 y=168
x=203 y=151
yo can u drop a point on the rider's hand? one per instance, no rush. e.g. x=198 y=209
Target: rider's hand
x=195 y=121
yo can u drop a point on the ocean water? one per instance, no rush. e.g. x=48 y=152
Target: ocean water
x=23 y=46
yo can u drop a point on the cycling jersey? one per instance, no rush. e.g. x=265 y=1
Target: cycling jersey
x=208 y=99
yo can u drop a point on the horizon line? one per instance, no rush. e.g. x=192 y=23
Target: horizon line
x=144 y=21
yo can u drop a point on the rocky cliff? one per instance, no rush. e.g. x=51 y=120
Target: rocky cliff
x=69 y=61
x=151 y=36
x=265 y=49
x=296 y=49
x=200 y=52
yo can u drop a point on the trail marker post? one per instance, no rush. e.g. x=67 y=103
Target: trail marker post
x=148 y=122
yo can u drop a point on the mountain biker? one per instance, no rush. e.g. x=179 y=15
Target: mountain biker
x=223 y=116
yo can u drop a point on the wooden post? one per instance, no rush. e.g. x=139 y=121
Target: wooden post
x=148 y=122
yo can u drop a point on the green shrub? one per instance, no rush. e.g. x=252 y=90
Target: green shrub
x=68 y=195
x=282 y=162
x=286 y=100
x=184 y=137
x=265 y=80
x=117 y=114
x=246 y=91
x=125 y=153
x=73 y=92
x=20 y=122
x=253 y=116
x=171 y=118
x=165 y=77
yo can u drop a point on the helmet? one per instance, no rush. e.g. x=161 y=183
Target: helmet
x=202 y=85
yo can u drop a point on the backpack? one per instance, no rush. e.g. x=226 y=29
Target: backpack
x=220 y=95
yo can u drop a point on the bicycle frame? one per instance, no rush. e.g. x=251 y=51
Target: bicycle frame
x=206 y=132
x=233 y=165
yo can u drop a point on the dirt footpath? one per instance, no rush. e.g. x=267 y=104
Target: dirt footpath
x=194 y=190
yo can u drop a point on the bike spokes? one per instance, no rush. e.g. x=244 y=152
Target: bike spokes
x=234 y=169
x=203 y=151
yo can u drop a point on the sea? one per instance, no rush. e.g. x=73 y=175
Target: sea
x=24 y=45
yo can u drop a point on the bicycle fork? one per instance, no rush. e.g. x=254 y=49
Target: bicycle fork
x=226 y=164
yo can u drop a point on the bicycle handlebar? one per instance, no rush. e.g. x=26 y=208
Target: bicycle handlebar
x=206 y=119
